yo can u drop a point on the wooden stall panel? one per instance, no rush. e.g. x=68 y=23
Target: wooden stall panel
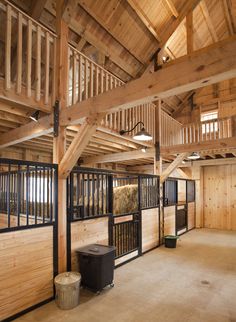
x=191 y=215
x=26 y=269
x=87 y=232
x=219 y=191
x=181 y=191
x=13 y=220
x=126 y=258
x=169 y=220
x=150 y=229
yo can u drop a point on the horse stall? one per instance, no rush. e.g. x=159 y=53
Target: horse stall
x=112 y=208
x=28 y=235
x=179 y=206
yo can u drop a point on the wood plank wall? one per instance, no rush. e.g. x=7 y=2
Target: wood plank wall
x=169 y=220
x=181 y=191
x=219 y=197
x=26 y=269
x=13 y=220
x=150 y=229
x=87 y=232
x=191 y=215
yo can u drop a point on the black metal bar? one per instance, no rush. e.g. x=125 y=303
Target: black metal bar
x=8 y=198
x=18 y=195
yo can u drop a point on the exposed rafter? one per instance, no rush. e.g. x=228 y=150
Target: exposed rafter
x=144 y=18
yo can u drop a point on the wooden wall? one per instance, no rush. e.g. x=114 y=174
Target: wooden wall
x=181 y=191
x=150 y=228
x=26 y=269
x=169 y=220
x=13 y=220
x=191 y=215
x=87 y=232
x=219 y=197
x=26 y=154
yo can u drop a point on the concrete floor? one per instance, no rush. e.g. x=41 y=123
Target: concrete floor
x=196 y=282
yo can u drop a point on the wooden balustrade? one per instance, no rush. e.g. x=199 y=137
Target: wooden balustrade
x=171 y=130
x=86 y=78
x=127 y=119
x=207 y=130
x=30 y=51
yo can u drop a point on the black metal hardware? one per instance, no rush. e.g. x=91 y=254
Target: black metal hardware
x=122 y=132
x=56 y=118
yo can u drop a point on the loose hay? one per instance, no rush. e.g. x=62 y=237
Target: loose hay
x=125 y=199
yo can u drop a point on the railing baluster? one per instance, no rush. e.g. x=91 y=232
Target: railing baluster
x=29 y=58
x=8 y=49
x=81 y=87
x=54 y=71
x=47 y=57
x=38 y=64
x=19 y=54
x=91 y=79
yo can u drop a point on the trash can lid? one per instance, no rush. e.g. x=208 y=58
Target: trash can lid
x=171 y=237
x=96 y=250
x=68 y=278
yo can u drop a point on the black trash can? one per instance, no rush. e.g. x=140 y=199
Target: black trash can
x=96 y=263
x=170 y=241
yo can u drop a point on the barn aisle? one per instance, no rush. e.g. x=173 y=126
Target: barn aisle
x=193 y=283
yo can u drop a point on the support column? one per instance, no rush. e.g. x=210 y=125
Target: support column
x=59 y=143
x=158 y=166
x=197 y=174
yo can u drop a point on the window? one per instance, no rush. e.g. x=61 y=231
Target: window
x=207 y=118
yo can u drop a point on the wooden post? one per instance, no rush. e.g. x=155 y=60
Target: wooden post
x=59 y=143
x=158 y=166
x=197 y=174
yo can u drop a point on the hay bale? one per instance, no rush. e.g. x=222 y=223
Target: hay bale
x=125 y=199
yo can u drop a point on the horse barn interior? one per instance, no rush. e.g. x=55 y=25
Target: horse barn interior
x=118 y=127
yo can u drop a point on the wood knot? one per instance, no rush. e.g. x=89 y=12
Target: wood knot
x=150 y=86
x=200 y=68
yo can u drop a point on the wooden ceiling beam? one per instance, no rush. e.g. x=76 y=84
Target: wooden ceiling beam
x=182 y=105
x=205 y=66
x=189 y=29
x=27 y=132
x=172 y=8
x=171 y=28
x=144 y=18
x=120 y=156
x=229 y=143
x=112 y=31
x=207 y=17
x=166 y=173
x=202 y=163
x=81 y=44
x=228 y=19
x=78 y=145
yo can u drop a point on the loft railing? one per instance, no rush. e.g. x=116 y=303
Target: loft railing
x=88 y=79
x=170 y=130
x=207 y=131
x=29 y=58
x=127 y=119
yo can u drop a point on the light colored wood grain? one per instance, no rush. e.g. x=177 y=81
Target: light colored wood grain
x=150 y=228
x=26 y=269
x=94 y=231
x=169 y=220
x=219 y=190
x=191 y=215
